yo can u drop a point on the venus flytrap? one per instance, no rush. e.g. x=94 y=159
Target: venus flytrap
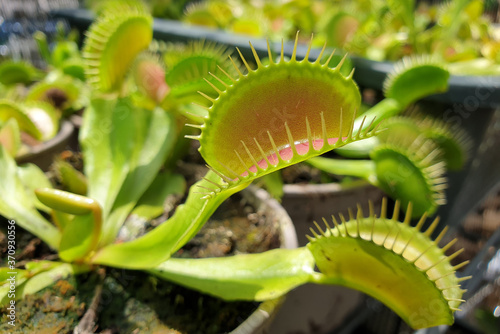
x=124 y=147
x=63 y=85
x=39 y=108
x=39 y=120
x=411 y=80
x=453 y=142
x=260 y=121
x=187 y=68
x=17 y=72
x=234 y=163
x=10 y=137
x=408 y=160
x=408 y=169
x=411 y=273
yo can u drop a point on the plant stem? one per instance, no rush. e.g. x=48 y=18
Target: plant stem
x=386 y=108
x=156 y=246
x=358 y=149
x=75 y=205
x=364 y=169
x=43 y=46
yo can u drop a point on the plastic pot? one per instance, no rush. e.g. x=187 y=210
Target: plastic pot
x=314 y=309
x=260 y=320
x=43 y=154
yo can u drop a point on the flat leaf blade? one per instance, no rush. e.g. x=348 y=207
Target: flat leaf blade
x=17 y=203
x=257 y=277
x=158 y=129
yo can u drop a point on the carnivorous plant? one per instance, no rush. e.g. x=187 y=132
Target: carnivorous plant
x=409 y=158
x=34 y=101
x=260 y=120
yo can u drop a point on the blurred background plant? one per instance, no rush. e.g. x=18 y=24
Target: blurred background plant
x=35 y=101
x=462 y=33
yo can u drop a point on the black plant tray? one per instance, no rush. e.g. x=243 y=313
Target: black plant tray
x=476 y=91
x=176 y=31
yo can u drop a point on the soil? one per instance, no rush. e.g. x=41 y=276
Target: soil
x=302 y=173
x=135 y=302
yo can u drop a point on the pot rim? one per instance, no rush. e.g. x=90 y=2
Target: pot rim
x=268 y=308
x=52 y=145
x=299 y=190
x=484 y=88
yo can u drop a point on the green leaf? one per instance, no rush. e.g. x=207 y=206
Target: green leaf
x=76 y=240
x=157 y=245
x=80 y=233
x=61 y=219
x=274 y=184
x=384 y=109
x=415 y=79
x=150 y=205
x=6 y=275
x=106 y=138
x=10 y=137
x=72 y=180
x=67 y=202
x=358 y=149
x=193 y=112
x=405 y=10
x=35 y=267
x=10 y=110
x=34 y=178
x=364 y=169
x=157 y=129
x=257 y=277
x=124 y=148
x=17 y=202
x=32 y=268
x=43 y=46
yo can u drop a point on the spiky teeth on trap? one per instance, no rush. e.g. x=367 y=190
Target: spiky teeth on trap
x=112 y=44
x=411 y=170
x=277 y=115
x=392 y=261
